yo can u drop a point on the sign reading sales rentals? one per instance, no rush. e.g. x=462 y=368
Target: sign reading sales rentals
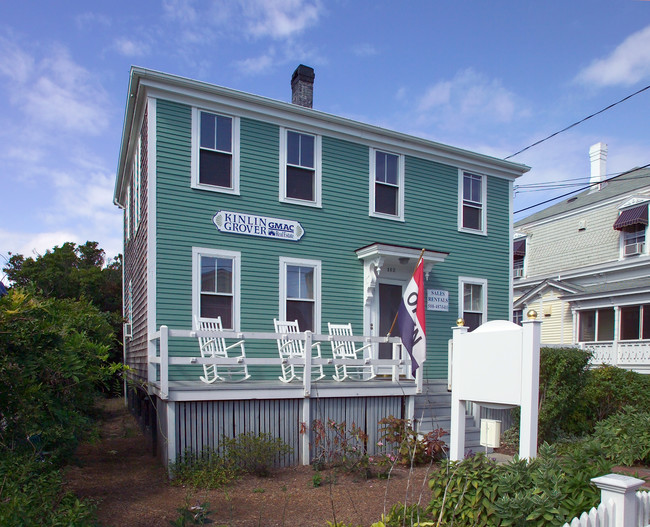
x=251 y=225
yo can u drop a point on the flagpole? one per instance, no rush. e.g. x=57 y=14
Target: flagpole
x=416 y=268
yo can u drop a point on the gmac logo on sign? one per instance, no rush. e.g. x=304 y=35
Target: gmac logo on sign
x=251 y=225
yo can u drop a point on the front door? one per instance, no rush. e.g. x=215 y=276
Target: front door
x=390 y=296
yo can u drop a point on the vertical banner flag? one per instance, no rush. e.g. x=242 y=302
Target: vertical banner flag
x=410 y=318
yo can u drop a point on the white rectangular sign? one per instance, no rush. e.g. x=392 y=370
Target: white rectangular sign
x=437 y=300
x=252 y=225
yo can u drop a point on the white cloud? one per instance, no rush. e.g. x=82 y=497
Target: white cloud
x=364 y=50
x=256 y=65
x=89 y=20
x=626 y=65
x=436 y=95
x=280 y=18
x=130 y=48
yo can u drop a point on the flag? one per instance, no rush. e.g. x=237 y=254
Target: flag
x=411 y=319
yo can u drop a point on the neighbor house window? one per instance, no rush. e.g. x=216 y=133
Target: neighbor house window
x=386 y=185
x=635 y=322
x=518 y=255
x=215 y=155
x=633 y=240
x=215 y=290
x=518 y=316
x=596 y=325
x=632 y=223
x=300 y=178
x=471 y=213
x=300 y=292
x=473 y=301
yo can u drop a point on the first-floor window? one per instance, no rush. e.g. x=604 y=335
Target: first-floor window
x=473 y=301
x=216 y=286
x=596 y=325
x=300 y=292
x=635 y=322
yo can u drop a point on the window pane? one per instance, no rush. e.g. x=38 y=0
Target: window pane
x=476 y=190
x=634 y=234
x=605 y=324
x=472 y=320
x=303 y=312
x=391 y=169
x=471 y=217
x=646 y=322
x=224 y=275
x=306 y=150
x=587 y=326
x=386 y=199
x=472 y=297
x=293 y=148
x=300 y=183
x=215 y=168
x=630 y=322
x=208 y=123
x=472 y=188
x=208 y=266
x=300 y=282
x=213 y=306
x=380 y=167
x=224 y=133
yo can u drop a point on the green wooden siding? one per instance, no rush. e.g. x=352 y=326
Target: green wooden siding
x=332 y=233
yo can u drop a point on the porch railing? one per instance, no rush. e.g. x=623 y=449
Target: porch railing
x=399 y=367
x=631 y=355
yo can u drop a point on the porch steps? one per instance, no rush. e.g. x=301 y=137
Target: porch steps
x=433 y=411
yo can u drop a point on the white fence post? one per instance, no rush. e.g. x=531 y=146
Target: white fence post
x=457 y=432
x=529 y=387
x=164 y=362
x=621 y=490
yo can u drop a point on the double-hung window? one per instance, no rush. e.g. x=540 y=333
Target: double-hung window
x=386 y=185
x=472 y=301
x=300 y=172
x=215 y=291
x=300 y=292
x=471 y=206
x=633 y=240
x=596 y=325
x=215 y=153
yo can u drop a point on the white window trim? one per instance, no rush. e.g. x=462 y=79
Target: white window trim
x=400 y=181
x=127 y=213
x=235 y=256
x=137 y=184
x=196 y=134
x=318 y=152
x=483 y=230
x=462 y=280
x=316 y=264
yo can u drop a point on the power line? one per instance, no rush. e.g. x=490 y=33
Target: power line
x=584 y=188
x=578 y=122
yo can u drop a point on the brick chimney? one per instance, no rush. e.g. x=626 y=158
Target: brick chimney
x=598 y=157
x=302 y=86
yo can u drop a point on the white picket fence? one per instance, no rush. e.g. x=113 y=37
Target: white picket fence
x=621 y=504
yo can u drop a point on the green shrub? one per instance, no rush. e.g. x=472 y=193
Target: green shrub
x=31 y=493
x=625 y=437
x=408 y=446
x=206 y=470
x=255 y=453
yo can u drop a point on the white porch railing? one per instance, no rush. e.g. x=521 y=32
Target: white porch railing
x=631 y=355
x=399 y=366
x=621 y=504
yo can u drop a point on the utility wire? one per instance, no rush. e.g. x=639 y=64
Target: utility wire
x=583 y=188
x=578 y=122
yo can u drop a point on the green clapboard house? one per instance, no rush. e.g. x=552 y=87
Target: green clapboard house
x=250 y=209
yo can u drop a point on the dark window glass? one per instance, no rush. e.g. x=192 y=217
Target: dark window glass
x=213 y=306
x=300 y=183
x=208 y=130
x=300 y=282
x=303 y=312
x=224 y=134
x=215 y=168
x=646 y=322
x=386 y=199
x=472 y=320
x=630 y=322
x=386 y=168
x=472 y=188
x=471 y=217
x=587 y=332
x=605 y=324
x=518 y=316
x=300 y=149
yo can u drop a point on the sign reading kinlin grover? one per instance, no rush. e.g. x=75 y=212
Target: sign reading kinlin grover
x=251 y=225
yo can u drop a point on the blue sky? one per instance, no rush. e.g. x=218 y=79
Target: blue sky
x=492 y=77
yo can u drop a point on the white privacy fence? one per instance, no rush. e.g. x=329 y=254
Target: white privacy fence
x=621 y=504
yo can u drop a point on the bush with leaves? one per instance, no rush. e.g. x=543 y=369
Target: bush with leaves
x=624 y=438
x=252 y=453
x=339 y=445
x=205 y=470
x=409 y=446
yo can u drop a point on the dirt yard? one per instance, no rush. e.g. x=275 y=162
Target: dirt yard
x=131 y=487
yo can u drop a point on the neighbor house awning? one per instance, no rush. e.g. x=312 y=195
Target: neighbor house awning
x=519 y=248
x=634 y=216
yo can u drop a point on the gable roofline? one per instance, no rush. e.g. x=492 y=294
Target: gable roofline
x=168 y=84
x=567 y=287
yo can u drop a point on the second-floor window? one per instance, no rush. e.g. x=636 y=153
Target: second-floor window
x=471 y=213
x=215 y=160
x=386 y=185
x=632 y=223
x=633 y=240
x=518 y=255
x=300 y=168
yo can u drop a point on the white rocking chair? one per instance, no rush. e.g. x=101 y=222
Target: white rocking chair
x=344 y=349
x=292 y=349
x=215 y=347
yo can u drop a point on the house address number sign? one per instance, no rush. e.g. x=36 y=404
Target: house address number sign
x=251 y=225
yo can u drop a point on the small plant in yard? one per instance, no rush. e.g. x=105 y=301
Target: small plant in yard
x=255 y=453
x=409 y=446
x=337 y=445
x=206 y=469
x=317 y=479
x=192 y=515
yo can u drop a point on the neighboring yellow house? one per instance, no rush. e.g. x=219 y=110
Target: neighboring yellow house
x=584 y=266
